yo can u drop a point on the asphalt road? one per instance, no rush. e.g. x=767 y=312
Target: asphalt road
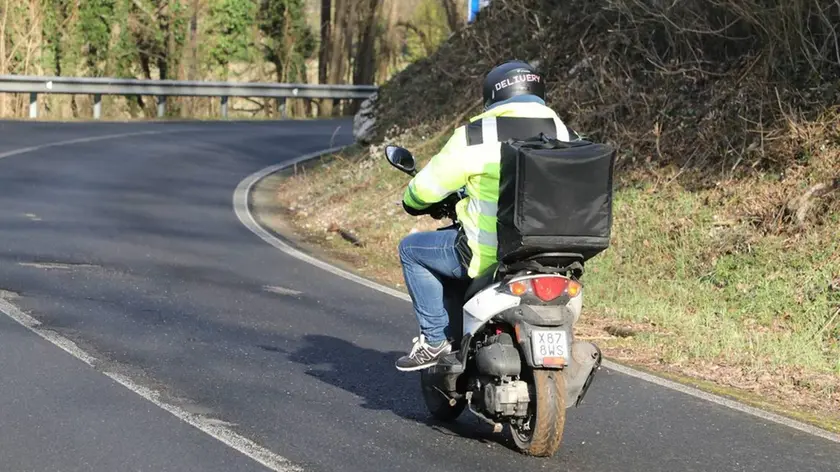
x=130 y=248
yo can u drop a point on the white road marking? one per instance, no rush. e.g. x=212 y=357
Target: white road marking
x=55 y=265
x=735 y=405
x=213 y=427
x=242 y=207
x=8 y=295
x=281 y=290
x=33 y=325
x=90 y=139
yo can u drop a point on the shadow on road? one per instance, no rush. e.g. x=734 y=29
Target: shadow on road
x=371 y=375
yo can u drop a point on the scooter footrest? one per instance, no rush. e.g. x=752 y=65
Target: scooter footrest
x=449 y=364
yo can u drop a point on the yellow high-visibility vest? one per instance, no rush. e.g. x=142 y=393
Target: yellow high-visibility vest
x=471 y=159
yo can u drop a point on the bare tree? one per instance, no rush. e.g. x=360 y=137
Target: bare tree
x=390 y=42
x=454 y=14
x=364 y=65
x=192 y=72
x=427 y=42
x=340 y=41
x=4 y=66
x=21 y=38
x=324 y=48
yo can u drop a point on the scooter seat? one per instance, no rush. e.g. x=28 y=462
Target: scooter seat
x=481 y=282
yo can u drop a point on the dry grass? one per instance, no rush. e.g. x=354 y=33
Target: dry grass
x=708 y=86
x=361 y=194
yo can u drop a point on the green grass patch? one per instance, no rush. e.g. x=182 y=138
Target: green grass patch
x=719 y=291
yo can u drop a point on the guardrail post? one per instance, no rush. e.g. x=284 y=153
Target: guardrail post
x=161 y=106
x=97 y=106
x=33 y=105
x=224 y=107
x=284 y=104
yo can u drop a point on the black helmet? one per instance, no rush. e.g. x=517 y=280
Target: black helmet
x=511 y=79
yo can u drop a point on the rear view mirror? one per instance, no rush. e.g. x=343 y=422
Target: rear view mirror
x=401 y=158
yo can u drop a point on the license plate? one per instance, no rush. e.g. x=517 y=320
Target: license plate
x=549 y=343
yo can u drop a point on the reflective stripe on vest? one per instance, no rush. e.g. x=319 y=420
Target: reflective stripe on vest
x=501 y=128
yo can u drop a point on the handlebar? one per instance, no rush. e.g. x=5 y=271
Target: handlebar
x=446 y=207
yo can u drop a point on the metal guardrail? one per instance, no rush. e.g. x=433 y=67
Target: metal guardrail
x=34 y=85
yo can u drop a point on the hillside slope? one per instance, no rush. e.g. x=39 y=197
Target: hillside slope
x=704 y=82
x=725 y=261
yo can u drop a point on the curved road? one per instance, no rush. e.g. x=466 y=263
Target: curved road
x=130 y=248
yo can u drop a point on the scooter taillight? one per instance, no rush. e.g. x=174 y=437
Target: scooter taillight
x=545 y=288
x=520 y=288
x=549 y=288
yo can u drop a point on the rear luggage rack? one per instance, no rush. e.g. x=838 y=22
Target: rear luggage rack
x=567 y=263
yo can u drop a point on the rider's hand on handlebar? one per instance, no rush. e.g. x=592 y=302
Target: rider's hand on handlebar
x=438 y=211
x=450 y=201
x=446 y=207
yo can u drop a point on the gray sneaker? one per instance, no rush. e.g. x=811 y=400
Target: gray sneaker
x=423 y=355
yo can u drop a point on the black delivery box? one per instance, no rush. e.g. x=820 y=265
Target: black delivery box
x=554 y=197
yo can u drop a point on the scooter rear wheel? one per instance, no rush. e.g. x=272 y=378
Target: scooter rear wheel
x=436 y=402
x=548 y=416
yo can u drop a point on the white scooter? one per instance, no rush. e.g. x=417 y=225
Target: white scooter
x=518 y=362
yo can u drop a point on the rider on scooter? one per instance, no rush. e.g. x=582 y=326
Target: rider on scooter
x=514 y=108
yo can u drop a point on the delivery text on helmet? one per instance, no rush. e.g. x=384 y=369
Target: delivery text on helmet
x=517 y=79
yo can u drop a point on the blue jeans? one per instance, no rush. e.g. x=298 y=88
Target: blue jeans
x=430 y=260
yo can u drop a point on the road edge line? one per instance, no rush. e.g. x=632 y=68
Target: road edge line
x=242 y=208
x=207 y=425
